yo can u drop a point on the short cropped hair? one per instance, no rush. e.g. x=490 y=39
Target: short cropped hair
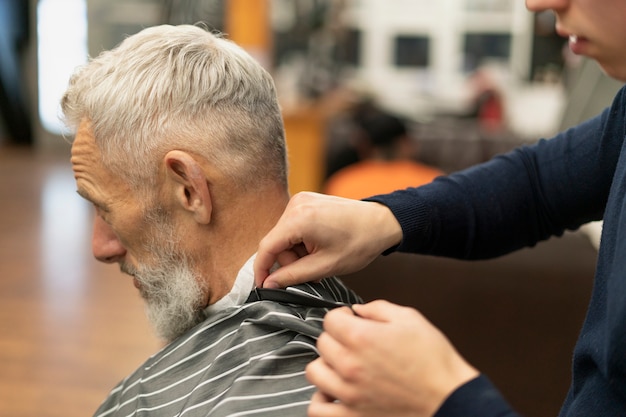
x=180 y=87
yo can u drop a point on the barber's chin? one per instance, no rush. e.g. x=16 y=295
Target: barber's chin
x=614 y=71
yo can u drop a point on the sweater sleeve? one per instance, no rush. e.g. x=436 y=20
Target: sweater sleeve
x=476 y=398
x=516 y=199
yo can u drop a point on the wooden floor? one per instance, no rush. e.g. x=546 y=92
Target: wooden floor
x=70 y=328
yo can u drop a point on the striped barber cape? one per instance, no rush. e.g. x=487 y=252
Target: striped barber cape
x=245 y=360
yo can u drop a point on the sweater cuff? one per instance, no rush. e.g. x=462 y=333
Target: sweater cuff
x=476 y=398
x=413 y=216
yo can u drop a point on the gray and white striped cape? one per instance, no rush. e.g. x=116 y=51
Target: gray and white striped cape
x=246 y=360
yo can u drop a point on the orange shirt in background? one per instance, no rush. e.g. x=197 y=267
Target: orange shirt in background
x=367 y=178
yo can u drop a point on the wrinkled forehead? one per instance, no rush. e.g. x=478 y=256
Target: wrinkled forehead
x=85 y=153
x=92 y=177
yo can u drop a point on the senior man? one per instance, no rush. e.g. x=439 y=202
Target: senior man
x=180 y=147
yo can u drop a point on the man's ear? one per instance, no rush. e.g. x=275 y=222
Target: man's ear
x=188 y=185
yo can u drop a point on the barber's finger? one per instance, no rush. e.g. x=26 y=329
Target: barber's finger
x=286 y=235
x=287 y=257
x=346 y=328
x=370 y=322
x=321 y=407
x=292 y=255
x=340 y=320
x=283 y=259
x=324 y=377
x=305 y=269
x=320 y=397
x=262 y=265
x=331 y=351
x=383 y=311
x=271 y=248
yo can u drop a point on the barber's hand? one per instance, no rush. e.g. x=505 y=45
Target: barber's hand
x=320 y=235
x=390 y=361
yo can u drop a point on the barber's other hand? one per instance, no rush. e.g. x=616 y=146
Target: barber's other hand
x=320 y=235
x=390 y=361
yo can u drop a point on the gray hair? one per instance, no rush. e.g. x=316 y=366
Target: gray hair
x=180 y=87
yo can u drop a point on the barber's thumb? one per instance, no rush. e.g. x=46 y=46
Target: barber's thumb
x=270 y=283
x=293 y=274
x=379 y=310
x=279 y=278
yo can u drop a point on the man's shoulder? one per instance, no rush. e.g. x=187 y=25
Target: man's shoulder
x=259 y=326
x=222 y=364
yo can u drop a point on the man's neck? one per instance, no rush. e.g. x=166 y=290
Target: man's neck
x=236 y=236
x=244 y=283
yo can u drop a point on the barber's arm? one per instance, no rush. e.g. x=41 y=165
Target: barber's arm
x=389 y=360
x=510 y=202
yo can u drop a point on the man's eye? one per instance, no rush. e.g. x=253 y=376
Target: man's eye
x=102 y=214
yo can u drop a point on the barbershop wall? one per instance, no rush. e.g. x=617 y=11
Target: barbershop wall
x=419 y=59
x=416 y=57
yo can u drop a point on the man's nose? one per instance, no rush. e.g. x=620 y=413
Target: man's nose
x=540 y=5
x=105 y=244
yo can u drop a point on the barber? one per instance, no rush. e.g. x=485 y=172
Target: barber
x=389 y=360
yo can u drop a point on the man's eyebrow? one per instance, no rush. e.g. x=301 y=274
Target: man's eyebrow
x=84 y=194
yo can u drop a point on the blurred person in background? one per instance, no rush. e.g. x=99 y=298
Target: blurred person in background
x=180 y=148
x=487 y=102
x=388 y=360
x=387 y=158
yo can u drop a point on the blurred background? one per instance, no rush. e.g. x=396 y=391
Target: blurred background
x=467 y=78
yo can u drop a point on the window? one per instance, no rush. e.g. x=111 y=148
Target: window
x=480 y=47
x=348 y=51
x=411 y=51
x=62 y=45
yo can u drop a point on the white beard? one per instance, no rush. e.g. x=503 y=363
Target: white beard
x=173 y=293
x=173 y=299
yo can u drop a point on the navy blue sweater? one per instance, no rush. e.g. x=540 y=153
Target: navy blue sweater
x=521 y=198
